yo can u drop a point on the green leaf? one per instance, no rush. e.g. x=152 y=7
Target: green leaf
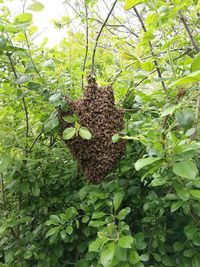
x=185 y=169
x=28 y=254
x=134 y=257
x=95 y=245
x=117 y=200
x=23 y=18
x=131 y=3
x=71 y=118
x=85 y=133
x=115 y=138
x=69 y=213
x=51 y=124
x=33 y=86
x=3 y=42
x=195 y=193
x=69 y=229
x=190 y=78
x=107 y=254
x=97 y=215
x=123 y=213
x=125 y=241
x=63 y=234
x=185 y=118
x=55 y=219
x=181 y=191
x=69 y=133
x=35 y=190
x=148 y=66
x=195 y=66
x=36 y=6
x=141 y=163
x=55 y=97
x=175 y=206
x=189 y=253
x=87 y=2
x=48 y=64
x=97 y=223
x=168 y=261
x=5 y=160
x=168 y=110
x=22 y=79
x=85 y=219
x=53 y=231
x=144 y=257
x=120 y=253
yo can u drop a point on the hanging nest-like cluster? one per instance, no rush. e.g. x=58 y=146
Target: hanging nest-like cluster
x=97 y=112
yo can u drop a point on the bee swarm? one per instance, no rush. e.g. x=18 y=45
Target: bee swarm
x=98 y=113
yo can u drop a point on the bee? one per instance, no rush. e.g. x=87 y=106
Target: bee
x=97 y=112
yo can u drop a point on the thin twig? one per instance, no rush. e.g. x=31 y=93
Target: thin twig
x=36 y=139
x=189 y=32
x=99 y=34
x=27 y=119
x=86 y=44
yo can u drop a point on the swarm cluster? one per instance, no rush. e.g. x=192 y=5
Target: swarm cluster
x=98 y=113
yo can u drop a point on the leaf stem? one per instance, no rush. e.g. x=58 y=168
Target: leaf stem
x=189 y=32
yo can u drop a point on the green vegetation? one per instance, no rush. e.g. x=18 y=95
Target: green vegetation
x=147 y=211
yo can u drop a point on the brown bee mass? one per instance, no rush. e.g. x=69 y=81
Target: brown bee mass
x=98 y=113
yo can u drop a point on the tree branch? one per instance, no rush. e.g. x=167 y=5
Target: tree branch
x=36 y=139
x=189 y=32
x=151 y=47
x=99 y=34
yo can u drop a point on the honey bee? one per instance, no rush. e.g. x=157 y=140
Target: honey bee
x=97 y=112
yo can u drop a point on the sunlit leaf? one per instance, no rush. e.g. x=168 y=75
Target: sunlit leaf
x=36 y=6
x=131 y=3
x=107 y=254
x=186 y=169
x=22 y=79
x=85 y=133
x=117 y=200
x=141 y=163
x=195 y=66
x=23 y=18
x=193 y=77
x=125 y=241
x=195 y=193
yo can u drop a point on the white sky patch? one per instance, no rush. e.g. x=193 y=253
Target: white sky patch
x=53 y=10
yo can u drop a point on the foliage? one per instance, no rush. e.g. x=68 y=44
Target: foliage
x=147 y=212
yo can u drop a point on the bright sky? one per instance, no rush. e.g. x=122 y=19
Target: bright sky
x=54 y=9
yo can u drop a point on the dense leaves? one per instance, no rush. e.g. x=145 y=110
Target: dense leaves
x=146 y=213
